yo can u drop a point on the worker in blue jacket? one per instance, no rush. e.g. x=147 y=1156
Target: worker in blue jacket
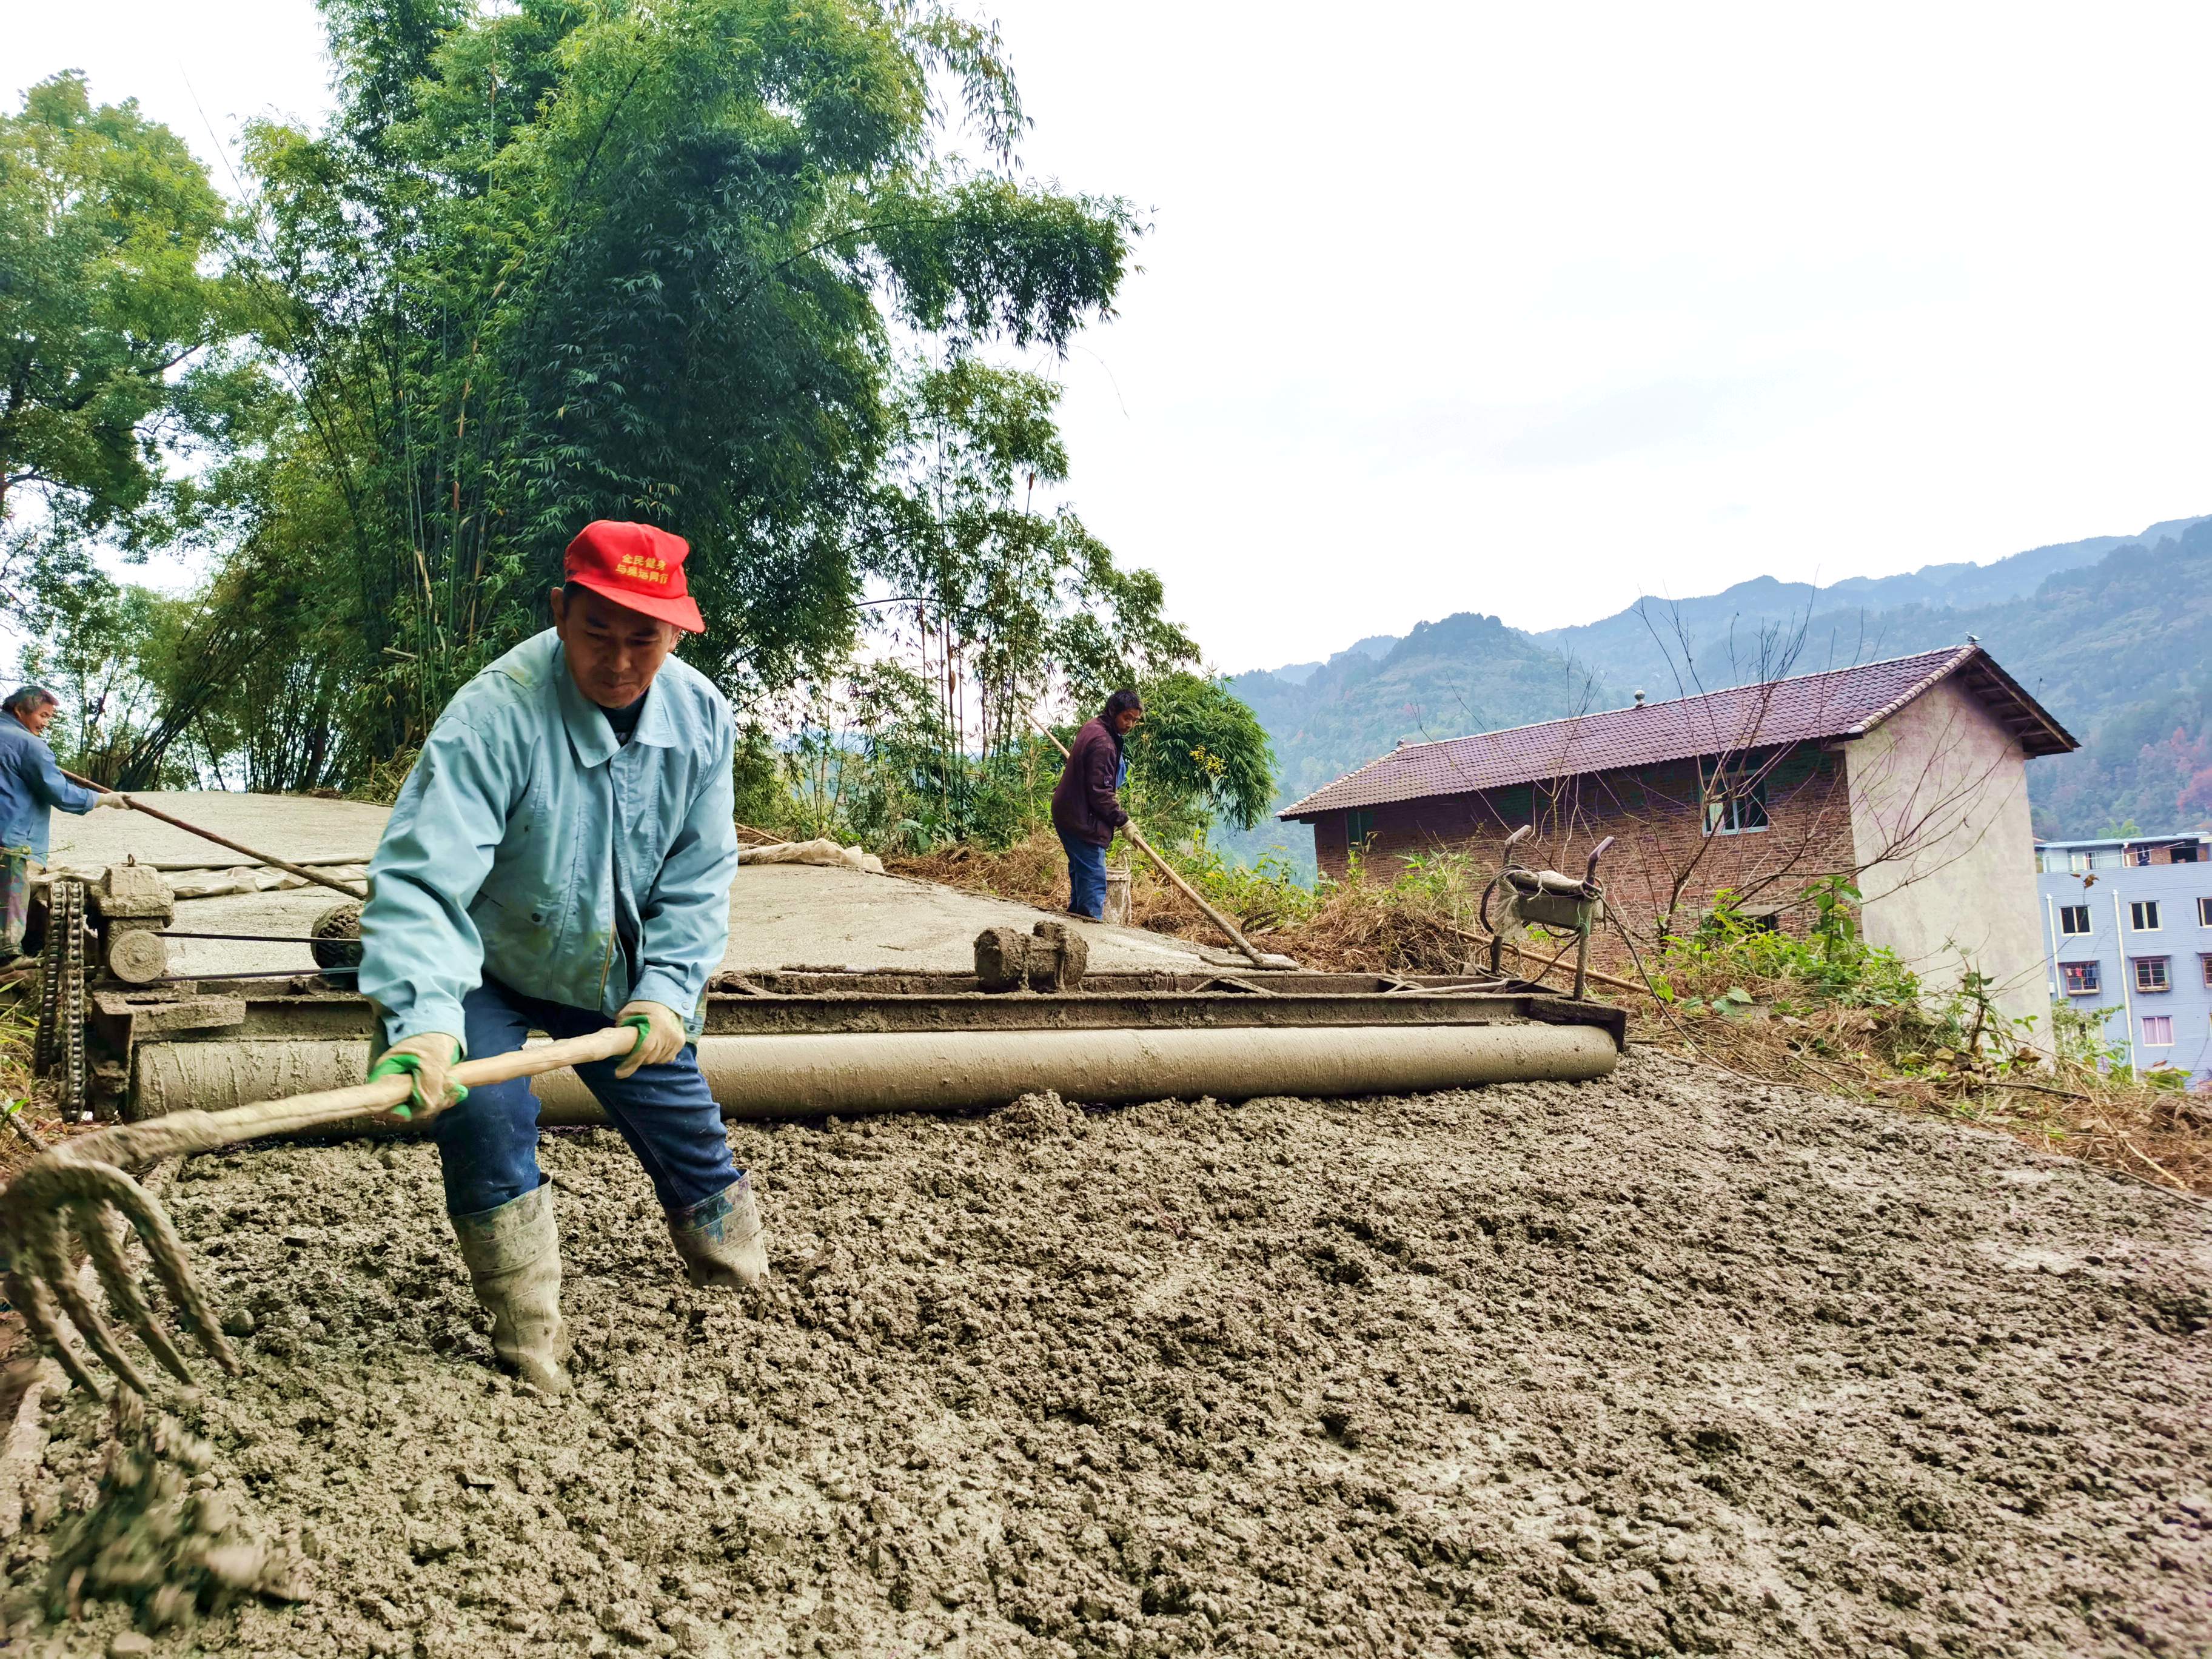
x=561 y=857
x=31 y=787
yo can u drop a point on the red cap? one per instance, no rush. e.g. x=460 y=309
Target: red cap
x=638 y=567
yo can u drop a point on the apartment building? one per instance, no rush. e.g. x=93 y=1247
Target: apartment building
x=2128 y=924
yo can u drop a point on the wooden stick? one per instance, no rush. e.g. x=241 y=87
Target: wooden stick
x=13 y=1111
x=1129 y=826
x=1259 y=957
x=269 y=858
x=177 y=1133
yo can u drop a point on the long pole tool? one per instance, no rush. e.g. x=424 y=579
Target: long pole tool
x=269 y=858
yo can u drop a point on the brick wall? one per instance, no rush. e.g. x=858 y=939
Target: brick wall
x=2165 y=855
x=1657 y=819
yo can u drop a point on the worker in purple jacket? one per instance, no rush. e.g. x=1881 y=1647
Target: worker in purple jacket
x=1083 y=807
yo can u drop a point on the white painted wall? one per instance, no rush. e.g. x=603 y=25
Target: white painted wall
x=1939 y=814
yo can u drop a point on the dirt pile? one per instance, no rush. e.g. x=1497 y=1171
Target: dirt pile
x=1648 y=1365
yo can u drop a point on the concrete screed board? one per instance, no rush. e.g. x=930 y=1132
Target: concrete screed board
x=781 y=915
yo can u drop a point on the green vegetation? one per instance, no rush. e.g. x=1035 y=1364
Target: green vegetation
x=111 y=329
x=712 y=263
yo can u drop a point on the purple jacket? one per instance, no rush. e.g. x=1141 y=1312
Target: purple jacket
x=1083 y=806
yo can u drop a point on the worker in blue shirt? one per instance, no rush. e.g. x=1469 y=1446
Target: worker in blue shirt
x=31 y=787
x=559 y=857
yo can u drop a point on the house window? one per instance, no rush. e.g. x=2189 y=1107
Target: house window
x=2157 y=1030
x=1358 y=830
x=2073 y=918
x=2151 y=975
x=2081 y=979
x=2204 y=913
x=2143 y=915
x=1737 y=806
x=2138 y=855
x=2207 y=960
x=2185 y=853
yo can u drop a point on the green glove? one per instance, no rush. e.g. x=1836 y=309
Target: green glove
x=428 y=1058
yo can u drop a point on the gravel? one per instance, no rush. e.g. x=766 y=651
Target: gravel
x=1653 y=1365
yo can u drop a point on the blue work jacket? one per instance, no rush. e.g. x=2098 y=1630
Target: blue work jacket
x=528 y=841
x=31 y=787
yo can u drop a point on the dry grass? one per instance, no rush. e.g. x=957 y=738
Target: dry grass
x=1367 y=927
x=2159 y=1135
x=19 y=1015
x=1035 y=871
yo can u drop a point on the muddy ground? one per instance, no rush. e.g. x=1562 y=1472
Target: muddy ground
x=1641 y=1366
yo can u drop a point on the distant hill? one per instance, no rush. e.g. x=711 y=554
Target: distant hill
x=1731 y=633
x=1466 y=673
x=2113 y=634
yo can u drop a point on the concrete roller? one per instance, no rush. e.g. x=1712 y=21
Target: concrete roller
x=813 y=1075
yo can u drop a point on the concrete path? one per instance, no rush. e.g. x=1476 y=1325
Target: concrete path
x=781 y=915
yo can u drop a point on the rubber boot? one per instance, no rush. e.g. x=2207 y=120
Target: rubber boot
x=513 y=1254
x=721 y=1239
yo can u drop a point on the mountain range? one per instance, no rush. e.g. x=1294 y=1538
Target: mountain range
x=2113 y=633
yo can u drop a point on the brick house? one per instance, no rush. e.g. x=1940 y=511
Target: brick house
x=1908 y=776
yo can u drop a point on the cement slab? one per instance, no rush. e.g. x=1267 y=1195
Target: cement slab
x=781 y=915
x=295 y=827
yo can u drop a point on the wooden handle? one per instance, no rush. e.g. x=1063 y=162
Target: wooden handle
x=199 y=1132
x=1191 y=893
x=269 y=858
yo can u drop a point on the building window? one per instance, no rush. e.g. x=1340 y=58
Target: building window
x=2073 y=918
x=2204 y=913
x=2081 y=979
x=2143 y=915
x=2151 y=975
x=1737 y=806
x=1358 y=830
x=2207 y=960
x=2157 y=1030
x=2077 y=862
x=2185 y=853
x=2138 y=855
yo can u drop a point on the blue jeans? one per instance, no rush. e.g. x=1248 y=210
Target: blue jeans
x=1086 y=876
x=488 y=1145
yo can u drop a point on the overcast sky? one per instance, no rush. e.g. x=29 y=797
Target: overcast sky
x=1530 y=309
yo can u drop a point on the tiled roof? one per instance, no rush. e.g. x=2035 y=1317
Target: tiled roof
x=1842 y=702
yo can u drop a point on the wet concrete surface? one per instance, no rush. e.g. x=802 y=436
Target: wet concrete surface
x=781 y=915
x=1651 y=1365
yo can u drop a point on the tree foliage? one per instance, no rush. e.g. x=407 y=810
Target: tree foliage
x=572 y=261
x=710 y=264
x=111 y=318
x=1199 y=744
